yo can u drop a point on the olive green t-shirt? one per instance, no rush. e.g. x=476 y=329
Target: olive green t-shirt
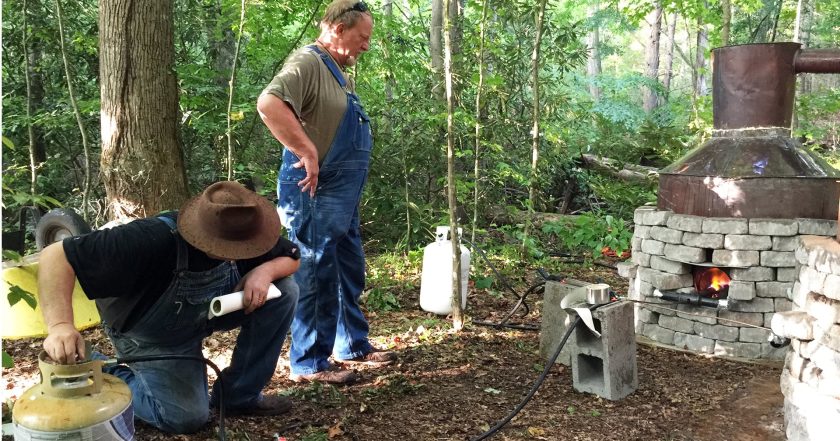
x=309 y=87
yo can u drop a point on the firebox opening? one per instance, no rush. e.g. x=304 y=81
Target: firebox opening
x=711 y=282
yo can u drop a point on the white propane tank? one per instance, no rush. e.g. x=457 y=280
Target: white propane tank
x=436 y=279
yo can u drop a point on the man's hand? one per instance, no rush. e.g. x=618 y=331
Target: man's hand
x=255 y=289
x=64 y=344
x=310 y=182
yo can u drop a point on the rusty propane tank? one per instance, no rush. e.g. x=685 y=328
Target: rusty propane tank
x=74 y=402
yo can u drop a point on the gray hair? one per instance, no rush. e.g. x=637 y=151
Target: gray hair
x=341 y=11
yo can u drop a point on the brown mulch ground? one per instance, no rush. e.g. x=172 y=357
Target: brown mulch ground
x=455 y=386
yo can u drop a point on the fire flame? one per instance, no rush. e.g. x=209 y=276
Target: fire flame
x=712 y=280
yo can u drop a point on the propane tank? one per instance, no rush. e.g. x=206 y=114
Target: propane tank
x=74 y=402
x=436 y=279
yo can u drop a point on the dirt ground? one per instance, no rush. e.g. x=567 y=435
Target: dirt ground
x=455 y=386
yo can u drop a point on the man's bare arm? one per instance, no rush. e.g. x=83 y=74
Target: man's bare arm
x=56 y=280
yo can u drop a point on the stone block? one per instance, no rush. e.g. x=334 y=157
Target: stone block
x=645 y=289
x=776 y=259
x=663 y=280
x=703 y=240
x=793 y=324
x=667 y=235
x=716 y=332
x=811 y=279
x=758 y=304
x=659 y=334
x=725 y=225
x=694 y=343
x=737 y=349
x=739 y=290
x=669 y=266
x=735 y=258
x=626 y=269
x=754 y=335
x=753 y=274
x=827 y=359
x=686 y=222
x=606 y=365
x=832 y=338
x=677 y=324
x=684 y=253
x=699 y=314
x=785 y=243
x=831 y=287
x=655 y=217
x=774 y=227
x=636 y=244
x=773 y=289
x=736 y=318
x=555 y=320
x=818 y=227
x=782 y=305
x=642 y=231
x=641 y=259
x=769 y=352
x=823 y=253
x=786 y=274
x=823 y=309
x=645 y=315
x=652 y=246
x=747 y=242
x=638 y=214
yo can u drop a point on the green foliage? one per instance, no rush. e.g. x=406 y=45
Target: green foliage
x=317 y=392
x=8 y=361
x=381 y=300
x=621 y=198
x=591 y=232
x=16 y=294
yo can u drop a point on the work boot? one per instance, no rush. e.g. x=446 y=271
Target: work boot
x=265 y=405
x=333 y=375
x=375 y=358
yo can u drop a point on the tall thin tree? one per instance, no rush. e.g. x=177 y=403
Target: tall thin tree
x=76 y=112
x=535 y=127
x=652 y=58
x=30 y=130
x=231 y=89
x=593 y=66
x=671 y=44
x=478 y=119
x=457 y=314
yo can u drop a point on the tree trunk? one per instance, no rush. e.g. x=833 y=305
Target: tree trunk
x=76 y=112
x=478 y=120
x=435 y=48
x=457 y=314
x=802 y=34
x=30 y=130
x=142 y=161
x=700 y=88
x=593 y=65
x=727 y=21
x=231 y=89
x=669 y=56
x=652 y=58
x=221 y=43
x=535 y=128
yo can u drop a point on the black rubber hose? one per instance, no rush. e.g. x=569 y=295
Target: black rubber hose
x=534 y=388
x=222 y=437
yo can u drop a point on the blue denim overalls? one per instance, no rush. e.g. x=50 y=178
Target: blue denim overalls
x=331 y=276
x=172 y=394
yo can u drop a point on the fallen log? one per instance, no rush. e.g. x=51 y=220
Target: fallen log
x=614 y=168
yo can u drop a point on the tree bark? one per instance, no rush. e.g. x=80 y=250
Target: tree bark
x=535 y=128
x=652 y=58
x=802 y=34
x=457 y=314
x=231 y=89
x=669 y=56
x=435 y=47
x=30 y=130
x=593 y=65
x=727 y=21
x=142 y=160
x=700 y=88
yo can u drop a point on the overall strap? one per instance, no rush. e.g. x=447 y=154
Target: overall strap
x=328 y=61
x=181 y=263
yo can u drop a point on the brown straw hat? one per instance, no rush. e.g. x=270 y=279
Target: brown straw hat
x=229 y=221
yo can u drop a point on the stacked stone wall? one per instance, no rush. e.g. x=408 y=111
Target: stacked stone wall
x=810 y=380
x=759 y=255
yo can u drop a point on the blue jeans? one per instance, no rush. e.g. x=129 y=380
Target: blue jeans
x=172 y=395
x=331 y=277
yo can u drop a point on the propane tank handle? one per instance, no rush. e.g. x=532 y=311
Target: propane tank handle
x=442 y=233
x=70 y=380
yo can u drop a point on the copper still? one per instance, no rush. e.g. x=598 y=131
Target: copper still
x=751 y=167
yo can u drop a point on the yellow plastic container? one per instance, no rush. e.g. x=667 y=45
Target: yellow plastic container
x=20 y=320
x=74 y=402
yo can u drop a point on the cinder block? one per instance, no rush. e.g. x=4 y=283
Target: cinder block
x=819 y=227
x=654 y=217
x=606 y=365
x=725 y=225
x=555 y=319
x=652 y=246
x=774 y=227
x=781 y=243
x=786 y=274
x=753 y=274
x=669 y=266
x=703 y=240
x=773 y=289
x=638 y=214
x=735 y=258
x=747 y=242
x=683 y=253
x=667 y=235
x=642 y=231
x=739 y=290
x=778 y=258
x=641 y=259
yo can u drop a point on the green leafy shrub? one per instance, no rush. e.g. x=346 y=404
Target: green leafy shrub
x=591 y=232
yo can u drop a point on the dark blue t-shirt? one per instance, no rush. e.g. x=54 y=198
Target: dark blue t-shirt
x=127 y=268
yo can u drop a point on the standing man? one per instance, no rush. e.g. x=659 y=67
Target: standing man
x=312 y=109
x=153 y=280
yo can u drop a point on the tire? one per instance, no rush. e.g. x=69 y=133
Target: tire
x=59 y=224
